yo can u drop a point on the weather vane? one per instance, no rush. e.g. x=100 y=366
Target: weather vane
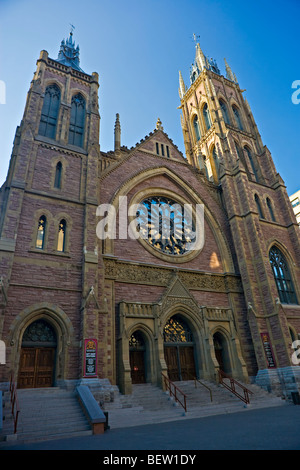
x=72 y=28
x=196 y=37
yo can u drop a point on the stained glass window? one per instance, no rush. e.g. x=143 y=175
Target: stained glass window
x=282 y=277
x=40 y=238
x=58 y=172
x=196 y=128
x=50 y=112
x=237 y=117
x=61 y=236
x=206 y=116
x=77 y=120
x=224 y=112
x=165 y=225
x=177 y=331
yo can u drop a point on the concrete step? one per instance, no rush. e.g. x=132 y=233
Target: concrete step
x=149 y=404
x=48 y=414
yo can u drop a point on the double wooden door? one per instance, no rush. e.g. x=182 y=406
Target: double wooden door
x=180 y=362
x=36 y=367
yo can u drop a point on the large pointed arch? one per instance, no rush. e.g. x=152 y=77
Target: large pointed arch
x=191 y=195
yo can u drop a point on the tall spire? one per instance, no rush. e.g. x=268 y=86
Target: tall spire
x=182 y=87
x=68 y=54
x=229 y=74
x=117 y=133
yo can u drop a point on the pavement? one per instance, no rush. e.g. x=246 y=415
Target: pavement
x=275 y=428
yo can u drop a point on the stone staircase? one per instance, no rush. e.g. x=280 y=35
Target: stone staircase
x=47 y=413
x=149 y=404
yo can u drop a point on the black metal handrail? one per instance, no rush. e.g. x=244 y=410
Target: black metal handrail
x=175 y=391
x=14 y=402
x=233 y=383
x=203 y=385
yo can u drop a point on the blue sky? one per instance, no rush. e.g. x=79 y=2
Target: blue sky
x=138 y=48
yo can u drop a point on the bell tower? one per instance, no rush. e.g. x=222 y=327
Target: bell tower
x=48 y=204
x=222 y=141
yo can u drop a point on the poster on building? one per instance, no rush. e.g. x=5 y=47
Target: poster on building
x=90 y=358
x=268 y=350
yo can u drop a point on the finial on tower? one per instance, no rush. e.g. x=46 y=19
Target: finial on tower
x=117 y=133
x=229 y=74
x=159 y=127
x=68 y=54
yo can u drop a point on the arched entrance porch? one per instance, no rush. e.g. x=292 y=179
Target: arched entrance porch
x=179 y=349
x=37 y=355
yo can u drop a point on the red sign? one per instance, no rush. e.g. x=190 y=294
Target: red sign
x=90 y=358
x=268 y=350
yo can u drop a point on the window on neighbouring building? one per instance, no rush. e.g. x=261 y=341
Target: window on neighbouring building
x=76 y=130
x=282 y=277
x=40 y=238
x=50 y=111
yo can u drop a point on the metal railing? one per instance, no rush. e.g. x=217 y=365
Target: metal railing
x=175 y=391
x=232 y=387
x=201 y=383
x=14 y=402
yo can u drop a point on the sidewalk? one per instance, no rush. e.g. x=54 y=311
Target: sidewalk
x=275 y=428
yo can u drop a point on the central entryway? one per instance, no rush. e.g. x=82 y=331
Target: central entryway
x=179 y=350
x=137 y=351
x=37 y=358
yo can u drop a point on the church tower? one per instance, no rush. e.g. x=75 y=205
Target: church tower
x=222 y=140
x=48 y=254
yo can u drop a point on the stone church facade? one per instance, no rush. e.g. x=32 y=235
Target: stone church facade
x=76 y=306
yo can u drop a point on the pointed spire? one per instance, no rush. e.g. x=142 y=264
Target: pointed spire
x=117 y=133
x=68 y=54
x=182 y=87
x=229 y=74
x=200 y=58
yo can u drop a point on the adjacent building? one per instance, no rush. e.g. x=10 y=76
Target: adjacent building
x=295 y=200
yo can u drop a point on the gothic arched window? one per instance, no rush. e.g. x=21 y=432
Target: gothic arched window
x=251 y=161
x=224 y=111
x=269 y=204
x=177 y=331
x=61 y=240
x=282 y=277
x=41 y=231
x=258 y=205
x=196 y=128
x=50 y=111
x=76 y=130
x=237 y=117
x=206 y=115
x=58 y=173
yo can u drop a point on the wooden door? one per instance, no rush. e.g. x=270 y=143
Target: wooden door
x=171 y=358
x=36 y=367
x=137 y=365
x=187 y=363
